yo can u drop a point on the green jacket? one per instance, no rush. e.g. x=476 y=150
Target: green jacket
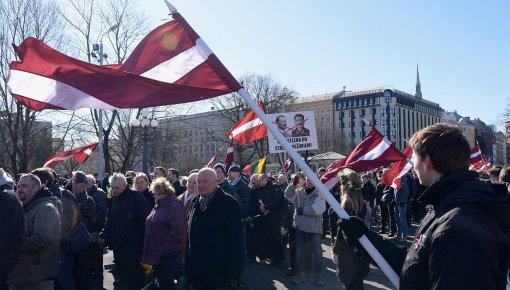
x=39 y=248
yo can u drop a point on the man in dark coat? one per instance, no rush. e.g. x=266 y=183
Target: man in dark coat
x=462 y=241
x=213 y=249
x=124 y=231
x=242 y=189
x=12 y=220
x=95 y=249
x=173 y=177
x=271 y=205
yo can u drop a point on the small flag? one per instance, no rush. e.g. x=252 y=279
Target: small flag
x=229 y=158
x=256 y=167
x=80 y=155
x=476 y=154
x=287 y=165
x=213 y=159
x=393 y=176
x=249 y=129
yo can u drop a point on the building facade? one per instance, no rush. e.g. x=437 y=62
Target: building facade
x=396 y=114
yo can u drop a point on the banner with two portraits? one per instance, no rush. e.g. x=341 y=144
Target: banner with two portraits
x=297 y=127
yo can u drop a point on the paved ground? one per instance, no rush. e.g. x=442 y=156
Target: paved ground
x=259 y=276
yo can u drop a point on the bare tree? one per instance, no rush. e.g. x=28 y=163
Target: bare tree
x=263 y=88
x=26 y=140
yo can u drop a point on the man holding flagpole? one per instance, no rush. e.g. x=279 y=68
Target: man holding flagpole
x=462 y=242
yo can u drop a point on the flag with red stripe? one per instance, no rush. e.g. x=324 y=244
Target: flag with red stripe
x=249 y=128
x=393 y=177
x=211 y=162
x=374 y=151
x=287 y=165
x=229 y=158
x=476 y=154
x=80 y=155
x=171 y=65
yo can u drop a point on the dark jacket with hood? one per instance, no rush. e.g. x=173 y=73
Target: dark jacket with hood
x=461 y=243
x=12 y=220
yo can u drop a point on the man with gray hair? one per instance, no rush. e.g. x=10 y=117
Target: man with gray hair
x=213 y=249
x=124 y=230
x=37 y=266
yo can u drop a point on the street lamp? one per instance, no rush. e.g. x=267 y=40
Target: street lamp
x=145 y=122
x=98 y=49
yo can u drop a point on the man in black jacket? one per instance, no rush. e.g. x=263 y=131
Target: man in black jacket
x=173 y=177
x=124 y=231
x=12 y=220
x=462 y=241
x=213 y=249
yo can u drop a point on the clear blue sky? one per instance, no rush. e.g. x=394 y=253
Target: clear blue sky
x=316 y=47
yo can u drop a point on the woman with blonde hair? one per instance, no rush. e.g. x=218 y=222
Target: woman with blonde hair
x=352 y=267
x=164 y=230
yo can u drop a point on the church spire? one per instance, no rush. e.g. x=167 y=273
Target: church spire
x=418 y=85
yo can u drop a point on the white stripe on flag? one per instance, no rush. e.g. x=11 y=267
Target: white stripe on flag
x=376 y=151
x=402 y=173
x=60 y=158
x=247 y=126
x=44 y=89
x=87 y=151
x=230 y=150
x=175 y=68
x=332 y=182
x=477 y=153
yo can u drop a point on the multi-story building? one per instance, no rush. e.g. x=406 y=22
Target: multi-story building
x=323 y=109
x=464 y=123
x=395 y=113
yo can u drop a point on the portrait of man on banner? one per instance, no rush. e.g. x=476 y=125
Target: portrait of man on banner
x=300 y=130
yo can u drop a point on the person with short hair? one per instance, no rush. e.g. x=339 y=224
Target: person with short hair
x=164 y=230
x=299 y=129
x=141 y=184
x=124 y=230
x=281 y=123
x=159 y=172
x=174 y=178
x=213 y=251
x=38 y=262
x=467 y=224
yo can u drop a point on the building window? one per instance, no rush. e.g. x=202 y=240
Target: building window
x=377 y=101
x=364 y=102
x=373 y=110
x=322 y=120
x=353 y=114
x=329 y=119
x=393 y=133
x=392 y=111
x=387 y=100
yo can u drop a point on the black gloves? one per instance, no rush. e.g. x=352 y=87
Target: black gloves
x=353 y=229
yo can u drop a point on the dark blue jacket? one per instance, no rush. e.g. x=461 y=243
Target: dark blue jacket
x=125 y=225
x=214 y=246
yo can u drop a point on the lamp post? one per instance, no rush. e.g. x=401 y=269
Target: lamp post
x=99 y=49
x=145 y=122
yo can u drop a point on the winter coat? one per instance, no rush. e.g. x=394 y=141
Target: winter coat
x=462 y=241
x=273 y=201
x=99 y=197
x=402 y=194
x=313 y=205
x=149 y=197
x=179 y=189
x=39 y=247
x=68 y=218
x=87 y=209
x=125 y=225
x=12 y=220
x=214 y=247
x=244 y=191
x=164 y=230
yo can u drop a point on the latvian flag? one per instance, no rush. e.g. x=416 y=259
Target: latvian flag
x=256 y=167
x=374 y=151
x=393 y=176
x=476 y=155
x=171 y=65
x=80 y=155
x=249 y=129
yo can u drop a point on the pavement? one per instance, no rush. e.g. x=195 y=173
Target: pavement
x=260 y=276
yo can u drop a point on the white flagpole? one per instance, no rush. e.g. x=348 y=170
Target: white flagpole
x=385 y=267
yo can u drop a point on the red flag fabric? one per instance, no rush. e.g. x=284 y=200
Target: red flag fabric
x=211 y=162
x=170 y=65
x=229 y=158
x=476 y=154
x=393 y=176
x=287 y=165
x=249 y=128
x=80 y=155
x=374 y=151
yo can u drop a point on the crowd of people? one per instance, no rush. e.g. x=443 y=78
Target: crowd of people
x=199 y=231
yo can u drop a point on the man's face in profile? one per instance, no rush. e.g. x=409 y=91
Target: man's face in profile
x=281 y=122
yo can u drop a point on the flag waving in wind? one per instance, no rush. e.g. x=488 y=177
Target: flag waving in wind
x=256 y=167
x=393 y=176
x=476 y=154
x=229 y=158
x=171 y=65
x=249 y=128
x=80 y=155
x=374 y=151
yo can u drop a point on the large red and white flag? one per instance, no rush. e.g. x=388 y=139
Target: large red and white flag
x=374 y=151
x=476 y=154
x=171 y=65
x=80 y=155
x=393 y=176
x=249 y=128
x=229 y=158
